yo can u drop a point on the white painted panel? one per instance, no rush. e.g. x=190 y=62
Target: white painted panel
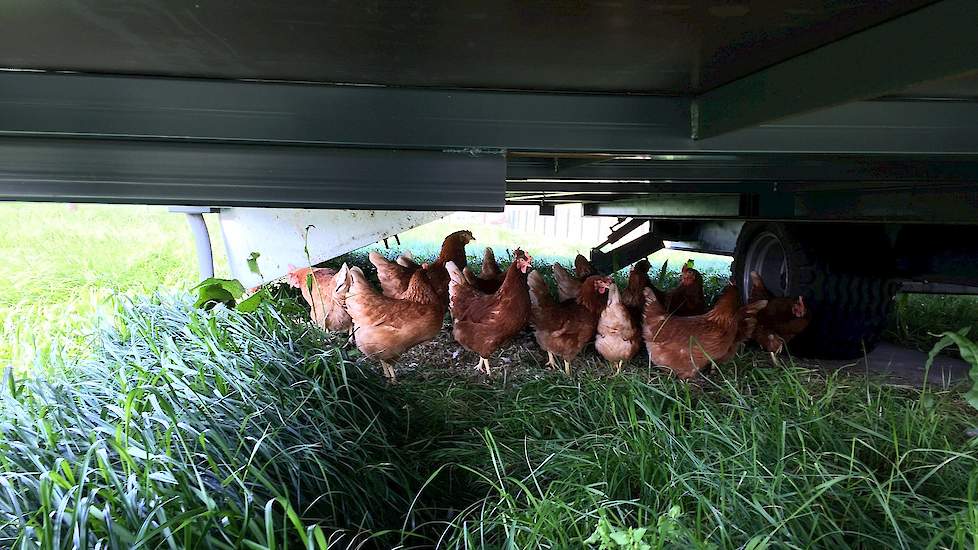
x=278 y=235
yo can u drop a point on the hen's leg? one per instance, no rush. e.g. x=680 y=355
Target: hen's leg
x=484 y=364
x=550 y=360
x=567 y=367
x=618 y=368
x=388 y=371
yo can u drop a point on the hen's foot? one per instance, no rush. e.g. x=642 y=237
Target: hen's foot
x=483 y=366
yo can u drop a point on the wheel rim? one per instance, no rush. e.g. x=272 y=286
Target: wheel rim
x=767 y=257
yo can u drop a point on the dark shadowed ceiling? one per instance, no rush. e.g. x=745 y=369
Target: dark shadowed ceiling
x=662 y=47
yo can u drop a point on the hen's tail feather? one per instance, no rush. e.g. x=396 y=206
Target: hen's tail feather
x=457 y=280
x=359 y=283
x=539 y=293
x=489 y=261
x=583 y=267
x=567 y=284
x=342 y=284
x=653 y=303
x=406 y=259
x=377 y=259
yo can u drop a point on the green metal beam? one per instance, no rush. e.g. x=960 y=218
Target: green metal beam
x=937 y=41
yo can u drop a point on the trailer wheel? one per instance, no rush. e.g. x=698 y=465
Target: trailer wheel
x=843 y=271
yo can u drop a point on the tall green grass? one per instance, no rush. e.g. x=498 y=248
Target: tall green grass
x=760 y=457
x=192 y=429
x=918 y=319
x=189 y=430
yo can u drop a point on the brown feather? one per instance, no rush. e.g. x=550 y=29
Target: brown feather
x=385 y=327
x=780 y=321
x=618 y=337
x=583 y=268
x=483 y=322
x=633 y=297
x=326 y=298
x=687 y=344
x=564 y=328
x=490 y=278
x=568 y=286
x=394 y=277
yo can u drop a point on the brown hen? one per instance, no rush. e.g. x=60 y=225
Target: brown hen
x=325 y=296
x=618 y=335
x=687 y=344
x=564 y=328
x=781 y=320
x=484 y=322
x=384 y=327
x=490 y=278
x=634 y=294
x=568 y=284
x=394 y=276
x=687 y=298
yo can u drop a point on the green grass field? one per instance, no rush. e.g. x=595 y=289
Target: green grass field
x=130 y=419
x=222 y=430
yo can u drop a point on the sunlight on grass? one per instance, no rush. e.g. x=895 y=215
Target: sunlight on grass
x=60 y=262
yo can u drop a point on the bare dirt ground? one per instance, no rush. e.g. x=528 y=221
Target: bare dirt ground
x=899 y=365
x=522 y=359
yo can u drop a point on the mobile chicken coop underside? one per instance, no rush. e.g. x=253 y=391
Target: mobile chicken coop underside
x=851 y=111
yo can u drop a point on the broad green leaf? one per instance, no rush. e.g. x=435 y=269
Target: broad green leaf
x=969 y=352
x=252 y=302
x=233 y=286
x=210 y=296
x=620 y=538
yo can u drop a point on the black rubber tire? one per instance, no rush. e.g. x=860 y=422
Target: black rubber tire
x=845 y=274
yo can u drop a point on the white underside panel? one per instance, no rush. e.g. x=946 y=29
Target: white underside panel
x=279 y=236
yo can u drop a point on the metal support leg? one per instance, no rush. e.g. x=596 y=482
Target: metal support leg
x=202 y=239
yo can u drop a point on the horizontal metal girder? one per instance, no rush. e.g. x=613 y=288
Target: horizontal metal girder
x=158 y=172
x=923 y=204
x=138 y=108
x=737 y=168
x=670 y=206
x=931 y=43
x=356 y=116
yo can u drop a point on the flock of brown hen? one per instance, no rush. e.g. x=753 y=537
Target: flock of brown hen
x=676 y=328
